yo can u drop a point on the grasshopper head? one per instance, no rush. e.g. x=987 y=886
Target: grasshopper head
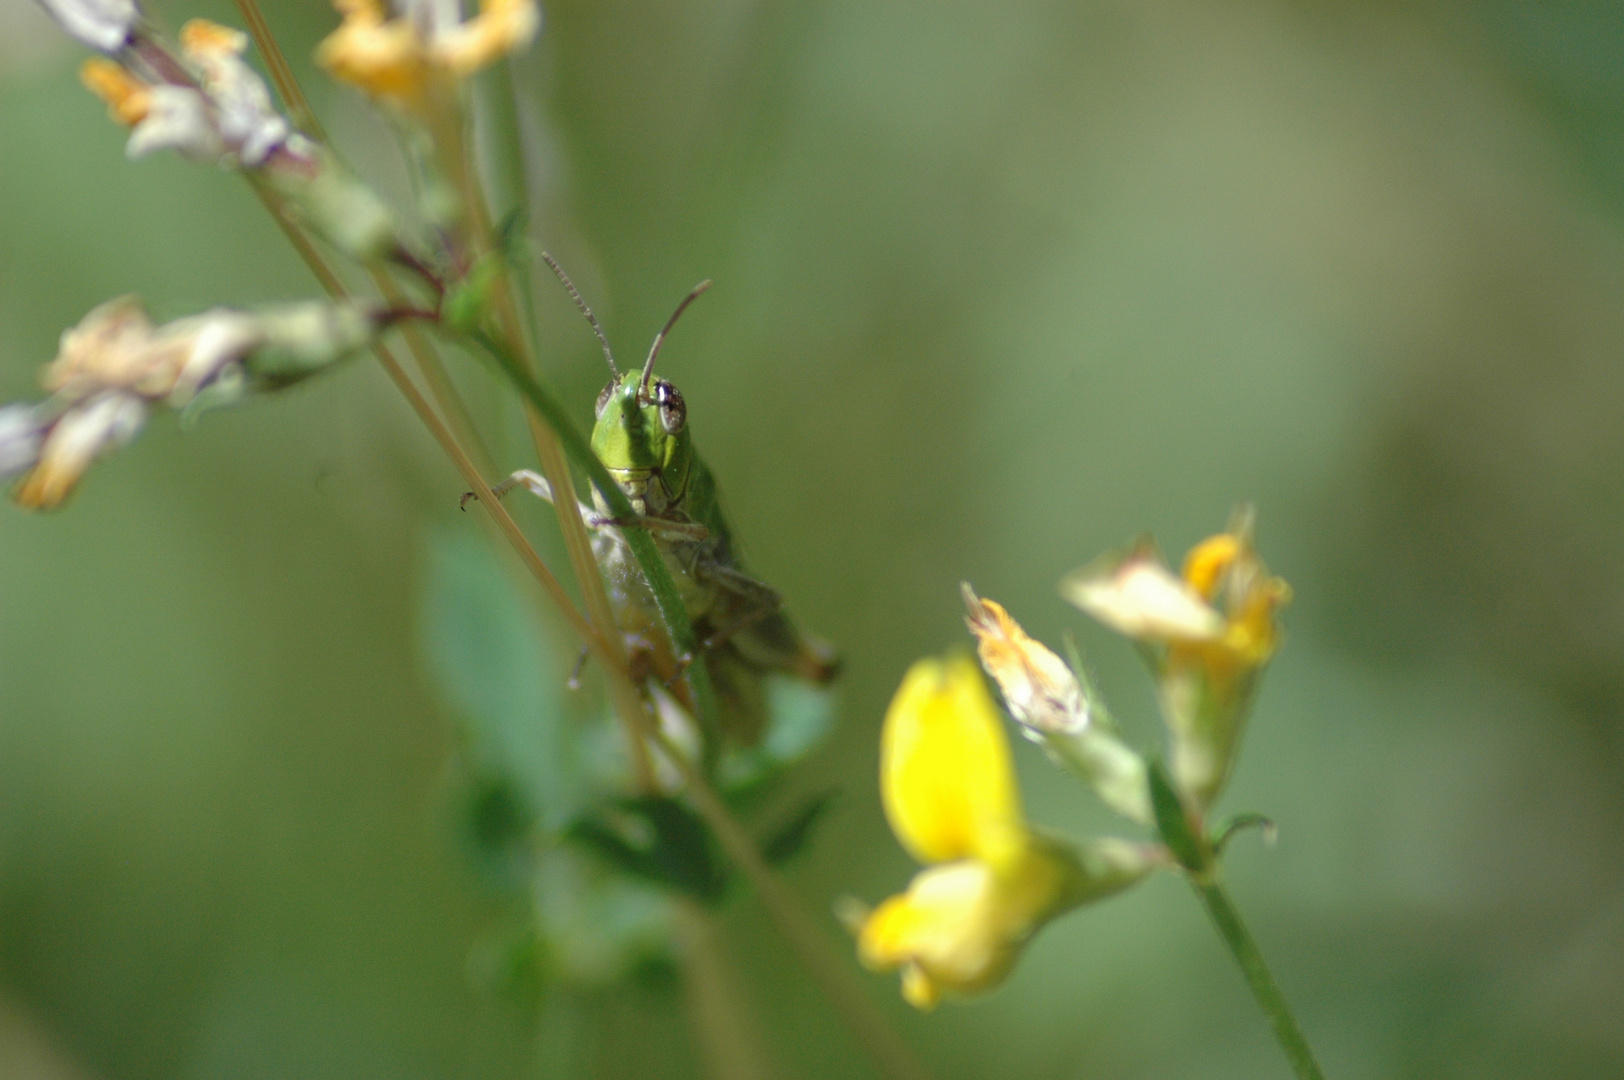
x=641 y=430
x=641 y=436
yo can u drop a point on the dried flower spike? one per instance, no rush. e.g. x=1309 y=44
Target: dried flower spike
x=115 y=367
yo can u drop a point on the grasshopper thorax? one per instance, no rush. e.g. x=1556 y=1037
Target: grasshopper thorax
x=641 y=436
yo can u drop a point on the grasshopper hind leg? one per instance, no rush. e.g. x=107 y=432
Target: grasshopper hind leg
x=762 y=634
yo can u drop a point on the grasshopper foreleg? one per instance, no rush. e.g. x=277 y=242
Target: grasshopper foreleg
x=538 y=486
x=532 y=482
x=574 y=682
x=684 y=530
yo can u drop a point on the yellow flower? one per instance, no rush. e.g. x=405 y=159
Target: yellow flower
x=948 y=786
x=400 y=58
x=1212 y=630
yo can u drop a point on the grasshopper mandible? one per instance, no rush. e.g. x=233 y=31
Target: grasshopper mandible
x=641 y=435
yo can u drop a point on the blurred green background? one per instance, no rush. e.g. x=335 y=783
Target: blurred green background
x=999 y=285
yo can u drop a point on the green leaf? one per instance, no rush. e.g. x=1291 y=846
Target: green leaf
x=466 y=301
x=513 y=962
x=492 y=663
x=799 y=717
x=658 y=840
x=496 y=823
x=786 y=841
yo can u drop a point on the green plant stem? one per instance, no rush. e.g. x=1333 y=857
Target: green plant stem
x=1264 y=988
x=810 y=945
x=729 y=1042
x=448 y=134
x=443 y=435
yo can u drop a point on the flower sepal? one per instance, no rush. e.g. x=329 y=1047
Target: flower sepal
x=335 y=204
x=959 y=928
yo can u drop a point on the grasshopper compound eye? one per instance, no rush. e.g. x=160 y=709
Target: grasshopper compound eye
x=673 y=412
x=603 y=398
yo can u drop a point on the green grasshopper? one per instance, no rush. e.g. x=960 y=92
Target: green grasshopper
x=641 y=435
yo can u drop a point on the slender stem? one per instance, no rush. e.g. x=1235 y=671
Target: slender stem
x=447 y=131
x=442 y=435
x=1264 y=988
x=445 y=393
x=729 y=1043
x=276 y=64
x=810 y=945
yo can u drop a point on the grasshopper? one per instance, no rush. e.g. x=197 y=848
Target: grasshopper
x=641 y=435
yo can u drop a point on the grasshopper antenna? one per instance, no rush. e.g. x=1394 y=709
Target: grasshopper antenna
x=659 y=339
x=569 y=286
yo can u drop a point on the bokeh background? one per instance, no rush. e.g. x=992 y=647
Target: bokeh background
x=999 y=285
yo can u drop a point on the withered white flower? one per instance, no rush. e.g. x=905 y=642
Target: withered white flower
x=1141 y=598
x=21 y=434
x=88 y=430
x=244 y=115
x=177 y=118
x=104 y=25
x=116 y=346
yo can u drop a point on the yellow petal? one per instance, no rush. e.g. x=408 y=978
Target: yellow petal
x=200 y=37
x=946 y=779
x=919 y=990
x=954 y=926
x=960 y=927
x=1204 y=566
x=501 y=27
x=383 y=58
x=128 y=98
